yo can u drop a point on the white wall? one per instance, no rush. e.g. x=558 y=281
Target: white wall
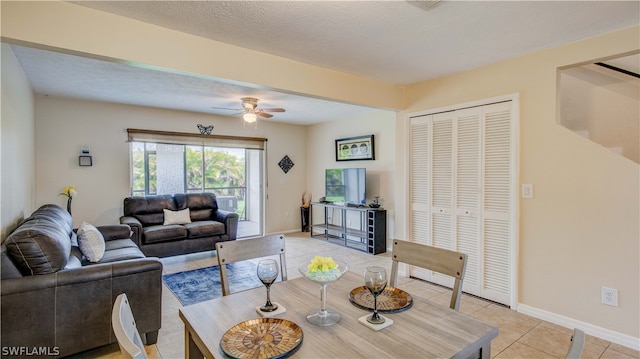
x=17 y=178
x=381 y=179
x=62 y=125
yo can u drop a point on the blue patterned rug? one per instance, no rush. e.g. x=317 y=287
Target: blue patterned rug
x=202 y=284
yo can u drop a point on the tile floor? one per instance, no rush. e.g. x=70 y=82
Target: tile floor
x=520 y=337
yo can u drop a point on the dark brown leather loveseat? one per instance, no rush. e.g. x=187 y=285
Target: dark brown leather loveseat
x=208 y=224
x=57 y=303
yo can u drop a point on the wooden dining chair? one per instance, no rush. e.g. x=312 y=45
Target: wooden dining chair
x=244 y=249
x=577 y=345
x=124 y=326
x=438 y=260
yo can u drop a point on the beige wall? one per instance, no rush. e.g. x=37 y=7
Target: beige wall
x=62 y=125
x=17 y=164
x=381 y=179
x=582 y=229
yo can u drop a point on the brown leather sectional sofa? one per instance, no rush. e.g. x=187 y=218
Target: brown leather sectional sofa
x=208 y=224
x=57 y=303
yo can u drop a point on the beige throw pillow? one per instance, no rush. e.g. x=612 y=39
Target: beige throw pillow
x=176 y=217
x=91 y=242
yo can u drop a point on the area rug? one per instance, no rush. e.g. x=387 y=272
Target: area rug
x=202 y=284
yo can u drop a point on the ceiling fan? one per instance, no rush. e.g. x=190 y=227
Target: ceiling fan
x=250 y=110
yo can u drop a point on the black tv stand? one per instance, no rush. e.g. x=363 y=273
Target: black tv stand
x=355 y=227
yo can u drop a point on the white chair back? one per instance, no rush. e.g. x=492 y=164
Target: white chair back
x=124 y=326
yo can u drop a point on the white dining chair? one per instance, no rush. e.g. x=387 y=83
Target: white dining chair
x=435 y=259
x=240 y=250
x=124 y=326
x=577 y=345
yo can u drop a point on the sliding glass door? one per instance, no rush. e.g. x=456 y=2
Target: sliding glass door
x=235 y=175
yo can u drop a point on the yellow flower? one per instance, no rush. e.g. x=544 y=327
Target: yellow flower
x=69 y=191
x=323 y=264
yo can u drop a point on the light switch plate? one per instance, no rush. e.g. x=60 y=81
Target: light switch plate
x=527 y=190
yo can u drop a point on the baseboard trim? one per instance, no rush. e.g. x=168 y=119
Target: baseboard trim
x=594 y=330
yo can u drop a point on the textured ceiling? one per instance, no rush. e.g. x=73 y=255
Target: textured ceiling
x=57 y=74
x=392 y=41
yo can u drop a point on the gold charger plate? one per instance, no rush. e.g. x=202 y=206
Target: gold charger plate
x=262 y=338
x=391 y=300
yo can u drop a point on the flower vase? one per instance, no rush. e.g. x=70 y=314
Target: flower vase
x=69 y=205
x=324 y=317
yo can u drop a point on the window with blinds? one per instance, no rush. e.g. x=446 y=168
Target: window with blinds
x=462 y=193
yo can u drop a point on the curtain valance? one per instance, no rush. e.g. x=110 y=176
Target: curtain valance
x=138 y=135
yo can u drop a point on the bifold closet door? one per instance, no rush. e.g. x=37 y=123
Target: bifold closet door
x=460 y=193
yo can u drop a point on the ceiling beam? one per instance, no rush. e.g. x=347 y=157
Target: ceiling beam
x=78 y=30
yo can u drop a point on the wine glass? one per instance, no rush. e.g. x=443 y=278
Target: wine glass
x=268 y=272
x=375 y=279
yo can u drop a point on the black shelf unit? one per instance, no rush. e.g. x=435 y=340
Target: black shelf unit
x=361 y=228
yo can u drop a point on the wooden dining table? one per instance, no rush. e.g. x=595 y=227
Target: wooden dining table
x=425 y=330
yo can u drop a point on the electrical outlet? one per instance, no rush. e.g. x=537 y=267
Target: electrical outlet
x=610 y=296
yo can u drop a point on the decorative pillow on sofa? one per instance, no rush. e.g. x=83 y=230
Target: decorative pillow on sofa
x=91 y=242
x=176 y=217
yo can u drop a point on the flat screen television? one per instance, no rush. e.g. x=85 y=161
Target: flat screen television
x=345 y=185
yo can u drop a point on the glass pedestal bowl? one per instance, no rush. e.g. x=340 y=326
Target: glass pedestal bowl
x=324 y=317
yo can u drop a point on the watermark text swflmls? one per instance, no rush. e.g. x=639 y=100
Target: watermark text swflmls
x=30 y=351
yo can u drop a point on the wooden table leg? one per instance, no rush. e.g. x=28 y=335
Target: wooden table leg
x=485 y=351
x=191 y=350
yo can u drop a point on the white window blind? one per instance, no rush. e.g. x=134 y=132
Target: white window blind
x=138 y=135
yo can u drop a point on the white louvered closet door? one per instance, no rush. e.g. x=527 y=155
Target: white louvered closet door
x=460 y=193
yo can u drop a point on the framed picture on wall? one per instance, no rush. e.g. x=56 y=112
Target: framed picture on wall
x=355 y=148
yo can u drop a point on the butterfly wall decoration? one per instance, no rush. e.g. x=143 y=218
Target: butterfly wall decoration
x=205 y=130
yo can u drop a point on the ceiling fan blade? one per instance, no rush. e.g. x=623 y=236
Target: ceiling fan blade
x=272 y=109
x=263 y=114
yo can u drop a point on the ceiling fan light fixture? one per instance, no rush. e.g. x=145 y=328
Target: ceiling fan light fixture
x=250 y=117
